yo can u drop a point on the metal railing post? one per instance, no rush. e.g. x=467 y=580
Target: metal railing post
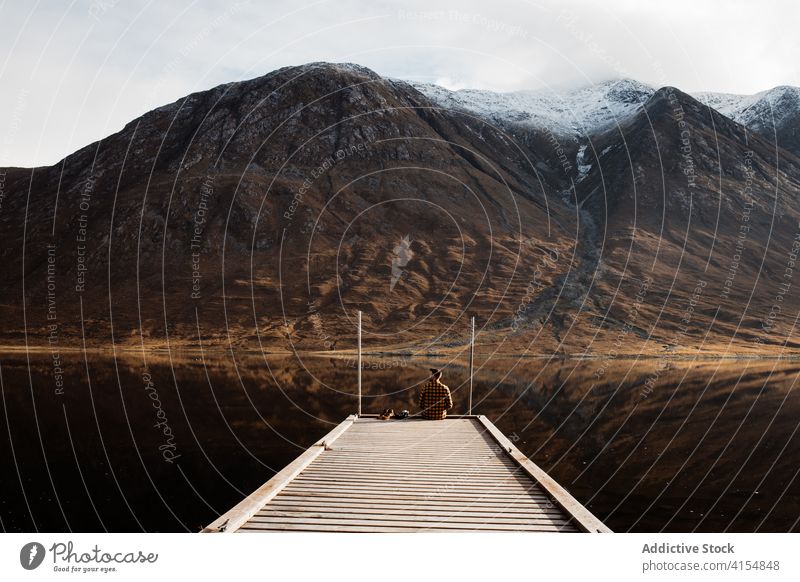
x=359 y=363
x=471 y=363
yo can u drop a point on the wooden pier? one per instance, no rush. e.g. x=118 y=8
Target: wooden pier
x=412 y=475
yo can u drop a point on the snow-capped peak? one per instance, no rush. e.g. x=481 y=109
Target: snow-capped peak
x=581 y=112
x=754 y=111
x=572 y=113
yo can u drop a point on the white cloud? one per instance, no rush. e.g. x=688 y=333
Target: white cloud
x=73 y=74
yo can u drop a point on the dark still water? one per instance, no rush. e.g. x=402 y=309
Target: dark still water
x=168 y=444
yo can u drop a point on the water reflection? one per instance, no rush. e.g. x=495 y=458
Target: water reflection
x=166 y=443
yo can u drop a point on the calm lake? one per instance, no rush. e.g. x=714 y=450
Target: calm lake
x=160 y=443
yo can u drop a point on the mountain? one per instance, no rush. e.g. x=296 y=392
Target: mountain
x=775 y=114
x=705 y=210
x=577 y=114
x=263 y=214
x=567 y=114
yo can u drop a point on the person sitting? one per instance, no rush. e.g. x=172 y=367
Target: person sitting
x=434 y=397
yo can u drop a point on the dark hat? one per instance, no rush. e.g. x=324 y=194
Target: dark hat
x=435 y=370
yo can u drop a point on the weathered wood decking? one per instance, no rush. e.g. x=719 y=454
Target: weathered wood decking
x=368 y=475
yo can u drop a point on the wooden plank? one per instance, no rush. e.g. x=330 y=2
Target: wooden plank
x=418 y=452
x=403 y=513
x=521 y=502
x=585 y=519
x=412 y=453
x=459 y=482
x=234 y=518
x=454 y=473
x=434 y=443
x=386 y=440
x=391 y=461
x=454 y=478
x=418 y=427
x=465 y=457
x=478 y=514
x=434 y=468
x=436 y=446
x=425 y=438
x=389 y=512
x=482 y=471
x=418 y=525
x=398 y=463
x=417 y=496
x=405 y=432
x=467 y=435
x=423 y=472
x=401 y=518
x=449 y=469
x=334 y=461
x=434 y=508
x=330 y=462
x=449 y=427
x=470 y=481
x=417 y=489
x=534 y=491
x=372 y=418
x=430 y=441
x=418 y=431
x=375 y=529
x=507 y=498
x=363 y=457
x=422 y=456
x=387 y=481
x=388 y=486
x=444 y=454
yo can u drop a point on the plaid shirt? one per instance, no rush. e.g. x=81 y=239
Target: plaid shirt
x=435 y=400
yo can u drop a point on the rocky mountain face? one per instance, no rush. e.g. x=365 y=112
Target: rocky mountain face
x=570 y=115
x=264 y=214
x=576 y=115
x=775 y=114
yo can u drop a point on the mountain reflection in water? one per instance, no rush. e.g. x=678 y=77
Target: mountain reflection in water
x=170 y=442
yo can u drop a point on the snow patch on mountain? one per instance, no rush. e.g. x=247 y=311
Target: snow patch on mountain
x=763 y=109
x=576 y=113
x=579 y=113
x=582 y=164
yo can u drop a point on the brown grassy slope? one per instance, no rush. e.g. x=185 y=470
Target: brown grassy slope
x=305 y=182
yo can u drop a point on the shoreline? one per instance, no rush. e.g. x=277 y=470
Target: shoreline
x=342 y=354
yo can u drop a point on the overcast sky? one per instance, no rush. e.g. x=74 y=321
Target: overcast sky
x=74 y=72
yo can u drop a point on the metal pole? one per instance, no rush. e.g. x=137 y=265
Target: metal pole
x=359 y=363
x=471 y=363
